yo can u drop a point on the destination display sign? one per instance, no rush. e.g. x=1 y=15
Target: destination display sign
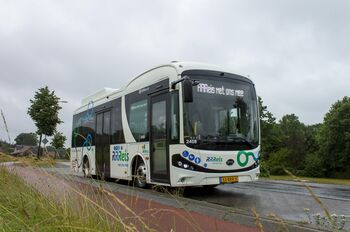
x=220 y=90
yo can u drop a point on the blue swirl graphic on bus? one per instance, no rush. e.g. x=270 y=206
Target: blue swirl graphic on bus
x=88 y=142
x=86 y=118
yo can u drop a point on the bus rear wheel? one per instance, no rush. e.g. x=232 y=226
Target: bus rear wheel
x=86 y=167
x=140 y=174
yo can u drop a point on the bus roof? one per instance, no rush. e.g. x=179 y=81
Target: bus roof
x=179 y=66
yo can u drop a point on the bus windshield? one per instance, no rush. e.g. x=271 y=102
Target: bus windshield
x=222 y=116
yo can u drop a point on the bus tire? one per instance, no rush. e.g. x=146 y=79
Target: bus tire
x=140 y=173
x=86 y=167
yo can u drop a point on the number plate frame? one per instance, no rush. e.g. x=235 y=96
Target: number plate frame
x=228 y=179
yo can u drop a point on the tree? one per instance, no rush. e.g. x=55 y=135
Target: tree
x=294 y=139
x=311 y=140
x=270 y=132
x=58 y=140
x=44 y=112
x=29 y=139
x=334 y=137
x=265 y=115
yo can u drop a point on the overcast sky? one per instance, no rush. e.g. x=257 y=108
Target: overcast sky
x=296 y=52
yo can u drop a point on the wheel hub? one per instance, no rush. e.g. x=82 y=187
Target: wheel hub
x=141 y=174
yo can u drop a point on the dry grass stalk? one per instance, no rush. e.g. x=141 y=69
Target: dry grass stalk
x=279 y=220
x=257 y=220
x=316 y=198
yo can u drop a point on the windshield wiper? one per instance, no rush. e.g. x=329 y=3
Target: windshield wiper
x=212 y=141
x=243 y=141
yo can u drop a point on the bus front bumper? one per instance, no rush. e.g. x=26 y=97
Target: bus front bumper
x=181 y=177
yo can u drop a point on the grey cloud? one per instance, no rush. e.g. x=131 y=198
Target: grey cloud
x=296 y=52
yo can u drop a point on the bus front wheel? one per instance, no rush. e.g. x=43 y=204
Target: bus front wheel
x=140 y=174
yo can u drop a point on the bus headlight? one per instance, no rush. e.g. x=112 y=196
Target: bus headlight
x=179 y=162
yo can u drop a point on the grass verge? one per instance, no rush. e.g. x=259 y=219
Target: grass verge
x=28 y=161
x=311 y=180
x=35 y=162
x=6 y=158
x=22 y=208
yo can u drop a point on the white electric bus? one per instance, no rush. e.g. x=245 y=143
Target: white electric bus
x=179 y=124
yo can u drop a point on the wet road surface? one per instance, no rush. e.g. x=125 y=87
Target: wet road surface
x=285 y=199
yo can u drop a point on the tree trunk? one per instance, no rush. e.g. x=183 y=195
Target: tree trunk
x=38 y=154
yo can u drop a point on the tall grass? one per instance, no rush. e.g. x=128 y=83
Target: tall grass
x=33 y=203
x=6 y=158
x=23 y=208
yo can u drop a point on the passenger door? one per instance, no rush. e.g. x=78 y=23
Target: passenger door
x=159 y=155
x=103 y=131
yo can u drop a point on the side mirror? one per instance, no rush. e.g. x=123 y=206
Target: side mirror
x=187 y=90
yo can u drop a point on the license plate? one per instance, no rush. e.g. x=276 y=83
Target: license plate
x=228 y=179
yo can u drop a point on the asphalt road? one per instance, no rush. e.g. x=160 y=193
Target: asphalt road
x=287 y=200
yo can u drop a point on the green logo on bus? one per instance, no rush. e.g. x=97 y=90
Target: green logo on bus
x=244 y=161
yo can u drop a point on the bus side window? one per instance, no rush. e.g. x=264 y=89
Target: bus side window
x=76 y=140
x=117 y=127
x=138 y=120
x=82 y=126
x=174 y=117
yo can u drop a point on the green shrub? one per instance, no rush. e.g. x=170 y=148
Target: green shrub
x=314 y=165
x=264 y=169
x=341 y=175
x=277 y=170
x=6 y=147
x=300 y=173
x=278 y=161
